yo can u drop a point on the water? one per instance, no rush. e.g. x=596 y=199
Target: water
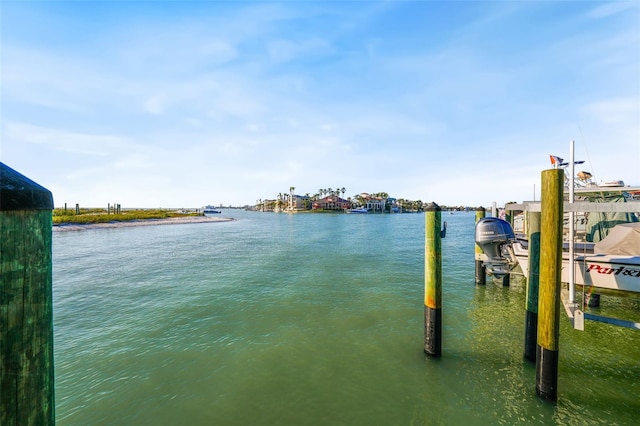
x=309 y=319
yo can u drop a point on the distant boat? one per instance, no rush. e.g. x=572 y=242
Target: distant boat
x=359 y=210
x=210 y=210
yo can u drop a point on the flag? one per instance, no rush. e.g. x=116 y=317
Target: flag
x=556 y=161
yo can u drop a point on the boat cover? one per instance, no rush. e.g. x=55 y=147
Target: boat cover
x=623 y=240
x=599 y=224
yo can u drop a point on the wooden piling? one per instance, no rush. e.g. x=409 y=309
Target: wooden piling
x=549 y=290
x=533 y=284
x=26 y=309
x=433 y=281
x=481 y=273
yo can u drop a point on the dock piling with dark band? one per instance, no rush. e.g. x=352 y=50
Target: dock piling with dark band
x=433 y=281
x=549 y=286
x=533 y=280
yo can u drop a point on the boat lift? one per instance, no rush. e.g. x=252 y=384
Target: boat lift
x=573 y=309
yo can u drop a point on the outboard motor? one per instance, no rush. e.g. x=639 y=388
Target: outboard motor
x=494 y=236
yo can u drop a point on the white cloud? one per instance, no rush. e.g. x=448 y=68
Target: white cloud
x=612 y=8
x=156 y=104
x=217 y=51
x=615 y=111
x=286 y=50
x=66 y=141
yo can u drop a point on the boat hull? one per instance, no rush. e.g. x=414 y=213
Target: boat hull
x=598 y=270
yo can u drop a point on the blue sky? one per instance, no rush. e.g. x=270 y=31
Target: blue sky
x=182 y=104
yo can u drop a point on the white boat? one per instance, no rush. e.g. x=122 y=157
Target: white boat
x=210 y=210
x=612 y=263
x=358 y=210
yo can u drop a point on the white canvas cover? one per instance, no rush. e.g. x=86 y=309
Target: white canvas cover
x=623 y=240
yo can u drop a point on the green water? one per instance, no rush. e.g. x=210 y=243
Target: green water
x=309 y=319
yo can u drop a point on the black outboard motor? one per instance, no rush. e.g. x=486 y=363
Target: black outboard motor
x=494 y=236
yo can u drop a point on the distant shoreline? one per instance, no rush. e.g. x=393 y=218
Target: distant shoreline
x=65 y=227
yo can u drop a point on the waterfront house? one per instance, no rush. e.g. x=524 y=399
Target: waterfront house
x=299 y=202
x=331 y=203
x=376 y=204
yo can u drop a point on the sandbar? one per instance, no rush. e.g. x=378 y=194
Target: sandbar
x=143 y=222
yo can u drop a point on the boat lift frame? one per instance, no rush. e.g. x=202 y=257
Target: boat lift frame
x=573 y=310
x=568 y=297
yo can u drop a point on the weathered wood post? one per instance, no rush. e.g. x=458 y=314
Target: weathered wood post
x=549 y=292
x=432 y=281
x=533 y=284
x=26 y=310
x=481 y=273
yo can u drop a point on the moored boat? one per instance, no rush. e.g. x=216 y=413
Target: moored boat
x=210 y=210
x=612 y=263
x=358 y=210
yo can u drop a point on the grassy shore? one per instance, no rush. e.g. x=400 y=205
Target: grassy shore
x=93 y=216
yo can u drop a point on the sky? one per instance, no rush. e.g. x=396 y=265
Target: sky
x=183 y=104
